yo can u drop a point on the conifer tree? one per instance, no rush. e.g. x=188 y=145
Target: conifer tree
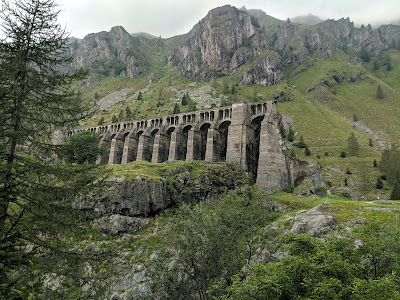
x=379 y=92
x=352 y=145
x=176 y=110
x=291 y=134
x=35 y=99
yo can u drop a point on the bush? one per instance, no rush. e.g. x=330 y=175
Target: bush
x=348 y=171
x=345 y=194
x=320 y=191
x=289 y=189
x=343 y=154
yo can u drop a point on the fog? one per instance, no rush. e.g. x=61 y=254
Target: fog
x=167 y=18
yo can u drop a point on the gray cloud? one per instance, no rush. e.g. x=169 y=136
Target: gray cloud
x=172 y=17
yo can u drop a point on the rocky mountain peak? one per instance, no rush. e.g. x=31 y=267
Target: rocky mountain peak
x=212 y=43
x=109 y=53
x=340 y=29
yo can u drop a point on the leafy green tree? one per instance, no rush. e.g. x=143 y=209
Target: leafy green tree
x=364 y=55
x=83 y=147
x=214 y=242
x=379 y=92
x=390 y=164
x=352 y=145
x=35 y=98
x=176 y=110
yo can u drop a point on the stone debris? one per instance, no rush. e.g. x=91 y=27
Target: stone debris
x=113 y=98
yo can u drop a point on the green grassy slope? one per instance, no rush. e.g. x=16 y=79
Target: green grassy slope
x=325 y=97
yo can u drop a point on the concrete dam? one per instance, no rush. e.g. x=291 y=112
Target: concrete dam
x=244 y=134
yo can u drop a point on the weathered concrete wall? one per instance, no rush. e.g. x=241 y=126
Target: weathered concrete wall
x=244 y=134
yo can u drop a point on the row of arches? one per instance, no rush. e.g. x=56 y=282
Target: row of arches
x=207 y=141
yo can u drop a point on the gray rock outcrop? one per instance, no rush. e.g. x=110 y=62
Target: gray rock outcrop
x=315 y=221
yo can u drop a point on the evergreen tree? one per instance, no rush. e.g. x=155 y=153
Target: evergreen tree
x=184 y=101
x=292 y=153
x=307 y=151
x=355 y=118
x=370 y=143
x=176 y=110
x=35 y=98
x=352 y=145
x=121 y=115
x=140 y=96
x=114 y=119
x=128 y=113
x=290 y=134
x=233 y=89
x=101 y=121
x=301 y=144
x=345 y=182
x=375 y=163
x=282 y=130
x=395 y=194
x=376 y=65
x=379 y=92
x=379 y=183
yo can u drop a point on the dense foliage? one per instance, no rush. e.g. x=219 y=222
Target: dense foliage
x=209 y=242
x=83 y=147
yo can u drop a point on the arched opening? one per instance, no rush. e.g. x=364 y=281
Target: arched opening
x=221 y=141
x=182 y=150
x=253 y=146
x=203 y=140
x=130 y=147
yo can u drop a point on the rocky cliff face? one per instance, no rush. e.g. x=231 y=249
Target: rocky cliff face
x=228 y=38
x=122 y=203
x=220 y=43
x=110 y=53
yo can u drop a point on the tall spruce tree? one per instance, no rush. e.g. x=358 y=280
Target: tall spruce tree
x=352 y=145
x=35 y=98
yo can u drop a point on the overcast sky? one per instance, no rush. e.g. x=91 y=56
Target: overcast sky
x=172 y=17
